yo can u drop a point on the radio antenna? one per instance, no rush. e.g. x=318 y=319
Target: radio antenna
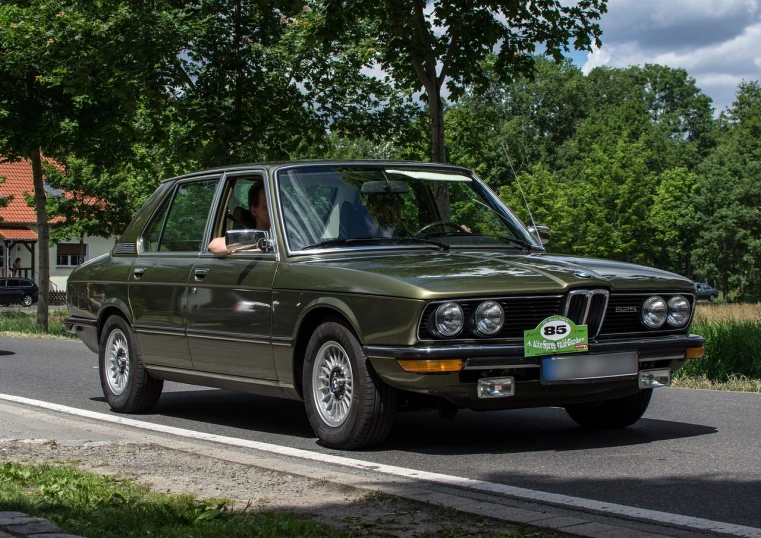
x=523 y=195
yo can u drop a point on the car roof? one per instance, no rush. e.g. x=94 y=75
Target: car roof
x=274 y=165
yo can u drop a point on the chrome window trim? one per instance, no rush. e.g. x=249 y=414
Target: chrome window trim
x=476 y=340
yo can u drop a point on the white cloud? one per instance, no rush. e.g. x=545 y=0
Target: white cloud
x=718 y=43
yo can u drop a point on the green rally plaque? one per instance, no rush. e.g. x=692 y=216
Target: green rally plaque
x=555 y=335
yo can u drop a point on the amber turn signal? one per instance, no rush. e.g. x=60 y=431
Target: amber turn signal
x=694 y=352
x=431 y=367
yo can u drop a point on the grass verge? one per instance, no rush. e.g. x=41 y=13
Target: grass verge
x=733 y=383
x=24 y=324
x=733 y=350
x=93 y=505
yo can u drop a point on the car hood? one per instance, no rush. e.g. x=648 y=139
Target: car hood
x=469 y=273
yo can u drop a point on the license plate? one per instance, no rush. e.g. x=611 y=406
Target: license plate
x=589 y=368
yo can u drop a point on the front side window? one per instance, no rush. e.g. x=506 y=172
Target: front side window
x=182 y=229
x=344 y=206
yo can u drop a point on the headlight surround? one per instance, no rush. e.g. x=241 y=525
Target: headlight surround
x=449 y=319
x=654 y=312
x=489 y=318
x=679 y=311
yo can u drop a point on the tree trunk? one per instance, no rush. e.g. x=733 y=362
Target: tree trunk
x=43 y=240
x=436 y=111
x=81 y=257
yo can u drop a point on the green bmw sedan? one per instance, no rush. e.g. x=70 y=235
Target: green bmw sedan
x=364 y=288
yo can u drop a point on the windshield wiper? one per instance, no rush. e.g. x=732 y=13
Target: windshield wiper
x=520 y=242
x=359 y=240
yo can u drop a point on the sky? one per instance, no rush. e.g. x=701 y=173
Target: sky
x=718 y=42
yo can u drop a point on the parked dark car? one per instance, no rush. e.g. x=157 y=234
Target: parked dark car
x=379 y=286
x=18 y=290
x=704 y=290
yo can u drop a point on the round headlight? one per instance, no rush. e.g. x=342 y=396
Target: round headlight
x=449 y=319
x=654 y=312
x=679 y=311
x=489 y=317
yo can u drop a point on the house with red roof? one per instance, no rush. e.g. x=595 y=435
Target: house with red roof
x=18 y=231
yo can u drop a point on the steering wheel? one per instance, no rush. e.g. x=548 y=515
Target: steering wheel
x=442 y=223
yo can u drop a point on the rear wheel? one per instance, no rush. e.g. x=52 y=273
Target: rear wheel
x=126 y=384
x=347 y=404
x=27 y=300
x=611 y=414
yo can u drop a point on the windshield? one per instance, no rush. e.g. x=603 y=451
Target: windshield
x=336 y=206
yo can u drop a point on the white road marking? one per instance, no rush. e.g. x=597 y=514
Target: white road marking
x=436 y=478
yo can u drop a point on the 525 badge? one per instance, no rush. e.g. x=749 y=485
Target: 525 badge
x=555 y=334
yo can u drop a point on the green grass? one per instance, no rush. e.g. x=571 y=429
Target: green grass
x=97 y=506
x=25 y=323
x=732 y=352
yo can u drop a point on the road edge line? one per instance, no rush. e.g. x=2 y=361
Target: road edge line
x=480 y=486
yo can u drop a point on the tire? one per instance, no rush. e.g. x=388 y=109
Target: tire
x=27 y=300
x=611 y=414
x=359 y=410
x=126 y=384
x=711 y=298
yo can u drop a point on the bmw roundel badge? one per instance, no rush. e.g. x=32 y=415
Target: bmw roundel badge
x=582 y=274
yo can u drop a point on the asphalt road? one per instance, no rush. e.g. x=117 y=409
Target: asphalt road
x=695 y=453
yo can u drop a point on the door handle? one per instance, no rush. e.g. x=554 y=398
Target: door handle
x=138 y=272
x=201 y=273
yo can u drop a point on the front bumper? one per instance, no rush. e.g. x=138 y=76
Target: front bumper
x=484 y=360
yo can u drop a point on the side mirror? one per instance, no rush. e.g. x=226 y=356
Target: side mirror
x=248 y=239
x=540 y=232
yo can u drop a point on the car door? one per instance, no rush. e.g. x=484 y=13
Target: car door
x=3 y=291
x=158 y=285
x=229 y=317
x=14 y=291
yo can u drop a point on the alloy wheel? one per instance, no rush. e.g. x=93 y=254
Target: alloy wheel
x=332 y=384
x=117 y=362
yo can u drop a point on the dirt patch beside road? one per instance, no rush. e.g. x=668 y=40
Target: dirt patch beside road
x=253 y=488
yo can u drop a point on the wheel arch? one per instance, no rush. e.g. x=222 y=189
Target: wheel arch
x=115 y=308
x=312 y=316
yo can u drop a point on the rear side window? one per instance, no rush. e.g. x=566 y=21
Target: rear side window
x=185 y=223
x=14 y=282
x=153 y=233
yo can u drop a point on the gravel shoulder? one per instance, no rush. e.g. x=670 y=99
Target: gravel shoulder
x=363 y=513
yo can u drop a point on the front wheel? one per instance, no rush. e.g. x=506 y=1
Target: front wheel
x=711 y=298
x=126 y=384
x=611 y=414
x=347 y=404
x=27 y=300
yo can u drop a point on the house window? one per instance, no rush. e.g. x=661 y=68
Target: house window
x=70 y=255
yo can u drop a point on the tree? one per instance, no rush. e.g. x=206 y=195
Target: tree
x=730 y=198
x=91 y=201
x=70 y=74
x=674 y=218
x=423 y=45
